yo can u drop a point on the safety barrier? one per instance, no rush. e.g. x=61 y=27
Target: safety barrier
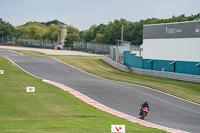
x=153 y=73
x=169 y=75
x=115 y=64
x=92 y=47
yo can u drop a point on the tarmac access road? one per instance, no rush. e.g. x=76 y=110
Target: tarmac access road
x=165 y=110
x=50 y=51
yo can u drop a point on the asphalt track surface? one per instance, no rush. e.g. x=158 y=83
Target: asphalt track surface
x=165 y=110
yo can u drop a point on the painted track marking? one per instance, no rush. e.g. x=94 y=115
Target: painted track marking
x=106 y=109
x=110 y=110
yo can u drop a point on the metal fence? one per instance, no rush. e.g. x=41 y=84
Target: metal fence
x=92 y=47
x=117 y=52
x=153 y=73
x=28 y=42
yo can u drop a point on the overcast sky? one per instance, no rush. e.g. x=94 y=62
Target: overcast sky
x=84 y=13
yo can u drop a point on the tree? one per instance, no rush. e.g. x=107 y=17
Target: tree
x=88 y=36
x=53 y=32
x=19 y=31
x=92 y=27
x=70 y=39
x=72 y=30
x=6 y=29
x=33 y=31
x=99 y=29
x=100 y=38
x=56 y=22
x=103 y=33
x=133 y=31
x=113 y=31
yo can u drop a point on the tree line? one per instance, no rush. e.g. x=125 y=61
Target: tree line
x=31 y=30
x=103 y=33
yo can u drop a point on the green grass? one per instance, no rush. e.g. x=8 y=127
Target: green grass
x=50 y=109
x=94 y=65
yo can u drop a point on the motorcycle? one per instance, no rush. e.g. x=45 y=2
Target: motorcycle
x=143 y=112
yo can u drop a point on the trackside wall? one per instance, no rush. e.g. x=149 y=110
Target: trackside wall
x=185 y=67
x=154 y=73
x=115 y=64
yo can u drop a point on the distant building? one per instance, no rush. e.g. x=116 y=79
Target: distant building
x=63 y=34
x=170 y=47
x=172 y=41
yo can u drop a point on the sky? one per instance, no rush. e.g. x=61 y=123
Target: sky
x=84 y=13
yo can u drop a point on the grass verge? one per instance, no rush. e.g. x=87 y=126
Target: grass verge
x=94 y=65
x=50 y=109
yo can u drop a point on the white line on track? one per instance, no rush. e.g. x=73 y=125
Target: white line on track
x=153 y=125
x=129 y=83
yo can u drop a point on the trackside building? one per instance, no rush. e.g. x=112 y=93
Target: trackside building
x=172 y=47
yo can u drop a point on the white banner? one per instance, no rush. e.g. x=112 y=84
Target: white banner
x=30 y=89
x=1 y=72
x=118 y=128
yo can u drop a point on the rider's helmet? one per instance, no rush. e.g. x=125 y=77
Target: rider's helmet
x=146 y=102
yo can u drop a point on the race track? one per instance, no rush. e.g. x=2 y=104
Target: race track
x=165 y=110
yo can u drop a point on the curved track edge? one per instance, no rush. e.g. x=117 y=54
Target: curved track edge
x=110 y=110
x=101 y=106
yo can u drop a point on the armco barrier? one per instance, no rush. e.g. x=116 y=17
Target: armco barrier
x=169 y=75
x=114 y=64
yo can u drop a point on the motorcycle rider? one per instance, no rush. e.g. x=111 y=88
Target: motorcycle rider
x=145 y=104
